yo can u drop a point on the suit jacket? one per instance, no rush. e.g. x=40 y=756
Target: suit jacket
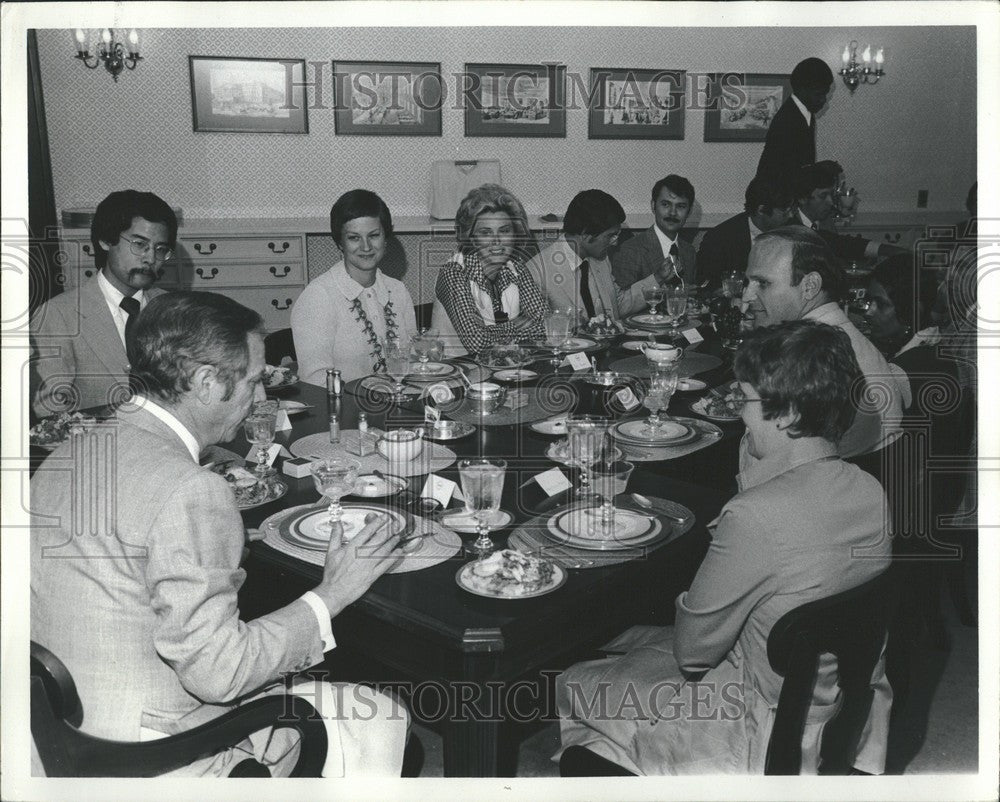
x=642 y=256
x=790 y=143
x=78 y=359
x=844 y=246
x=555 y=270
x=724 y=248
x=135 y=590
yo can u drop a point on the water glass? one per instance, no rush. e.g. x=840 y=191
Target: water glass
x=259 y=429
x=676 y=304
x=662 y=385
x=557 y=328
x=587 y=437
x=732 y=285
x=423 y=345
x=335 y=478
x=482 y=486
x=397 y=364
x=653 y=296
x=610 y=480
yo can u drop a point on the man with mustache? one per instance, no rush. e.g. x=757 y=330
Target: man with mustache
x=659 y=251
x=79 y=338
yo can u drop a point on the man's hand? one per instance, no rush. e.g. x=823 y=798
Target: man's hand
x=667 y=270
x=350 y=569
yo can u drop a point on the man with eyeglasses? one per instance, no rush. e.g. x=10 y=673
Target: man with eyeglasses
x=79 y=338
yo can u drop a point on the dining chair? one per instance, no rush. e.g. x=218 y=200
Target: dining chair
x=65 y=751
x=279 y=346
x=850 y=625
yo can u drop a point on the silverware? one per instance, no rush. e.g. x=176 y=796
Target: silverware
x=644 y=502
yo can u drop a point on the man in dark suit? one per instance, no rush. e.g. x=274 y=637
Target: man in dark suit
x=791 y=137
x=659 y=250
x=726 y=248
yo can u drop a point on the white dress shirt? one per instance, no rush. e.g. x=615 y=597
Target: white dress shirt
x=114 y=296
x=665 y=242
x=802 y=107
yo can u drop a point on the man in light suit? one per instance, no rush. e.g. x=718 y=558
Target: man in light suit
x=726 y=248
x=135 y=560
x=78 y=338
x=791 y=137
x=659 y=251
x=574 y=273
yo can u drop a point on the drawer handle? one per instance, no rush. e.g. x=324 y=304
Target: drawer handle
x=274 y=249
x=88 y=249
x=274 y=271
x=88 y=272
x=278 y=306
x=201 y=273
x=206 y=252
x=892 y=237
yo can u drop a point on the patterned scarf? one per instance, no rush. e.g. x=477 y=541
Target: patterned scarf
x=376 y=351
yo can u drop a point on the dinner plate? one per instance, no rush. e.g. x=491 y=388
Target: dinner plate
x=293 y=407
x=369 y=485
x=554 y=427
x=289 y=380
x=699 y=407
x=633 y=432
x=557 y=451
x=579 y=527
x=648 y=321
x=447 y=430
x=515 y=375
x=690 y=385
x=463 y=578
x=65 y=422
x=276 y=489
x=465 y=522
x=309 y=529
x=432 y=371
x=635 y=345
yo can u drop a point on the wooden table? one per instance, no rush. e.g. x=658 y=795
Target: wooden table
x=466 y=653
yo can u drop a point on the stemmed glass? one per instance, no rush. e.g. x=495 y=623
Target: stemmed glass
x=423 y=344
x=397 y=365
x=653 y=296
x=610 y=480
x=259 y=430
x=482 y=486
x=557 y=328
x=587 y=442
x=732 y=285
x=335 y=478
x=676 y=304
x=662 y=384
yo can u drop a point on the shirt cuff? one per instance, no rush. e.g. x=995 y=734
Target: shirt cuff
x=871 y=249
x=322 y=618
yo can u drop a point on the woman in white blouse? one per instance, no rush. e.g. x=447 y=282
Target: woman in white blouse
x=345 y=317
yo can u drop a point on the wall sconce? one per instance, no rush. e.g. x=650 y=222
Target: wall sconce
x=111 y=53
x=854 y=72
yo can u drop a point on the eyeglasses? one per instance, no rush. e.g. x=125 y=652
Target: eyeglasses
x=140 y=246
x=738 y=399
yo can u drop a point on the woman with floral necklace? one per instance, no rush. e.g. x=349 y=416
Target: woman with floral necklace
x=345 y=317
x=485 y=294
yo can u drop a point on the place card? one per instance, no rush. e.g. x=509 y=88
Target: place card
x=431 y=414
x=692 y=336
x=440 y=393
x=440 y=489
x=282 y=422
x=577 y=361
x=272 y=453
x=627 y=398
x=553 y=481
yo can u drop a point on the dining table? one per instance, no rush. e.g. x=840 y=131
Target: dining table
x=473 y=667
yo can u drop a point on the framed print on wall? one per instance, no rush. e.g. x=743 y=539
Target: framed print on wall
x=636 y=104
x=248 y=95
x=515 y=100
x=742 y=105
x=387 y=98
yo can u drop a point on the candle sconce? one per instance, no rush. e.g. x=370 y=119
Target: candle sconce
x=114 y=55
x=866 y=71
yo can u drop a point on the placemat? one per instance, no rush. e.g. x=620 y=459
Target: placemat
x=530 y=537
x=691 y=363
x=433 y=458
x=710 y=433
x=543 y=402
x=437 y=544
x=382 y=384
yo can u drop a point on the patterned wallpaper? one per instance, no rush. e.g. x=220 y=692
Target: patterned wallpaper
x=138 y=132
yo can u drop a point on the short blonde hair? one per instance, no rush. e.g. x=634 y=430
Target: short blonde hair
x=494 y=198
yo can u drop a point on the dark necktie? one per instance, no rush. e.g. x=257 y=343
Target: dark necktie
x=588 y=299
x=131 y=307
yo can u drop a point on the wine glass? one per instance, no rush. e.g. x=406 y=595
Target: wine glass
x=587 y=442
x=662 y=385
x=422 y=344
x=335 y=478
x=482 y=486
x=676 y=304
x=610 y=479
x=259 y=430
x=397 y=365
x=653 y=296
x=732 y=285
x=557 y=327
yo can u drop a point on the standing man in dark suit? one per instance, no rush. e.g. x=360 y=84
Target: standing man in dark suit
x=659 y=250
x=791 y=138
x=726 y=248
x=79 y=338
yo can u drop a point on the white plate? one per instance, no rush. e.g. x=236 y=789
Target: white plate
x=464 y=522
x=699 y=407
x=689 y=385
x=515 y=375
x=635 y=345
x=371 y=486
x=555 y=427
x=463 y=578
x=668 y=431
x=293 y=407
x=431 y=370
x=313 y=527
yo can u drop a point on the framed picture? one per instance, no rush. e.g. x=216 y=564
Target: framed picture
x=387 y=98
x=742 y=105
x=636 y=104
x=248 y=95
x=515 y=100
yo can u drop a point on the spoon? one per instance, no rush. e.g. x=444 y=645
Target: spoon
x=644 y=502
